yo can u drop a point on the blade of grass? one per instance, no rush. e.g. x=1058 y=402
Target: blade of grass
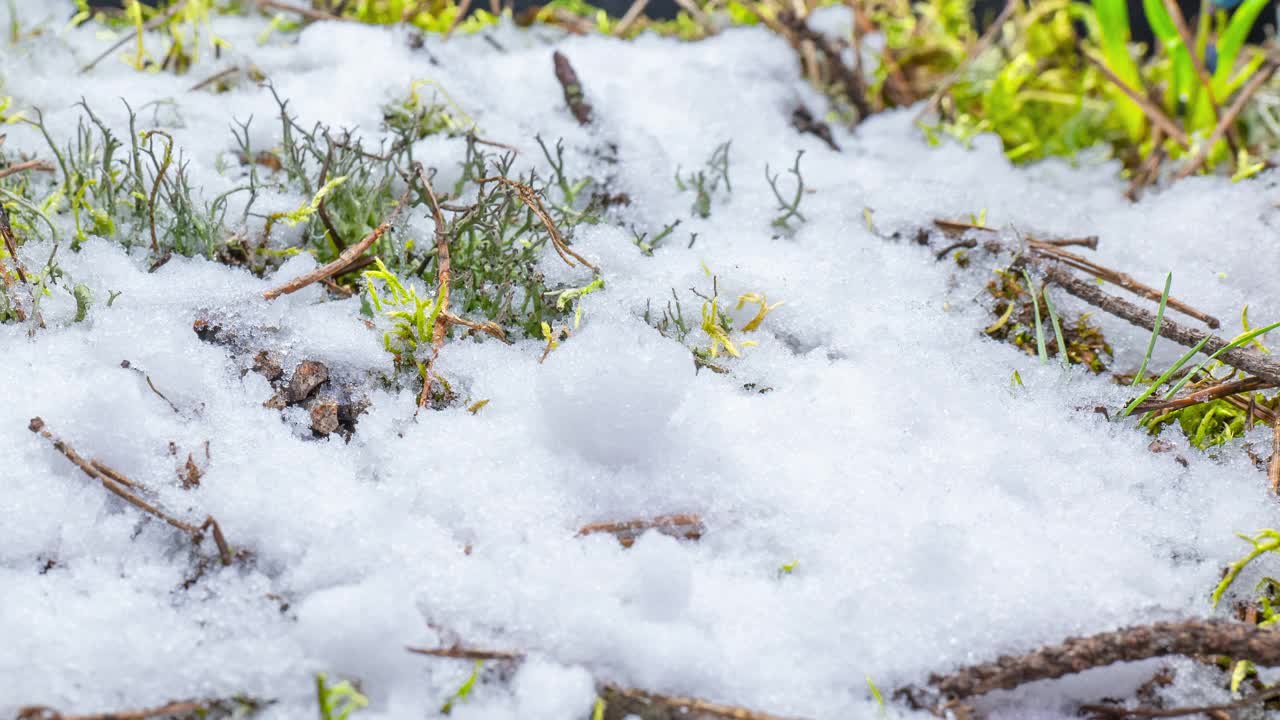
x=1241 y=340
x=1057 y=330
x=1163 y=378
x=1040 y=350
x=1232 y=39
x=1155 y=332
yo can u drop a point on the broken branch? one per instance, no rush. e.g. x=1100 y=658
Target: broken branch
x=574 y=97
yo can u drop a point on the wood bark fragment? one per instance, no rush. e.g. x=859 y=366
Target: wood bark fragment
x=1195 y=637
x=1240 y=358
x=687 y=526
x=1273 y=468
x=16 y=168
x=574 y=96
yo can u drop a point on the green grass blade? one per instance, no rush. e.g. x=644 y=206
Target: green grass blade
x=1057 y=330
x=1113 y=26
x=1242 y=340
x=1155 y=331
x=1230 y=42
x=1040 y=349
x=1163 y=27
x=1163 y=378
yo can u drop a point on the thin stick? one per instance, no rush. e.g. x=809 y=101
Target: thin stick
x=1208 y=394
x=347 y=257
x=109 y=481
x=16 y=168
x=150 y=25
x=213 y=78
x=1150 y=109
x=1273 y=469
x=183 y=708
x=457 y=652
x=1239 y=358
x=463 y=8
x=632 y=14
x=1120 y=279
x=443 y=277
x=980 y=47
x=1241 y=641
x=1255 y=84
x=306 y=12
x=687 y=525
x=1211 y=710
x=854 y=85
x=621 y=702
x=529 y=197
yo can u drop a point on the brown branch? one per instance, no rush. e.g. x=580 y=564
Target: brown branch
x=529 y=197
x=1120 y=279
x=687 y=526
x=150 y=25
x=458 y=652
x=1208 y=394
x=184 y=707
x=16 y=168
x=1089 y=241
x=621 y=702
x=980 y=47
x=855 y=87
x=1239 y=358
x=1150 y=109
x=306 y=12
x=629 y=18
x=1211 y=710
x=1240 y=641
x=1273 y=468
x=155 y=189
x=1255 y=84
x=213 y=78
x=573 y=94
x=444 y=271
x=116 y=484
x=11 y=247
x=463 y=8
x=349 y=257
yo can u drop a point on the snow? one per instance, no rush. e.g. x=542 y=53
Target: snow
x=937 y=515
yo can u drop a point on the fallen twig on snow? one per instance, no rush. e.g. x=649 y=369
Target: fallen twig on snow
x=349 y=257
x=574 y=97
x=1239 y=641
x=687 y=526
x=121 y=486
x=620 y=702
x=1210 y=710
x=529 y=197
x=1239 y=357
x=1221 y=390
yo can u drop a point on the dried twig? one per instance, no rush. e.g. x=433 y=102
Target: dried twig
x=622 y=702
x=443 y=278
x=121 y=487
x=458 y=652
x=129 y=366
x=1119 y=279
x=529 y=197
x=1220 y=390
x=184 y=707
x=1210 y=710
x=980 y=47
x=854 y=85
x=1255 y=84
x=349 y=257
x=686 y=525
x=126 y=38
x=573 y=94
x=1273 y=468
x=11 y=247
x=1239 y=358
x=306 y=12
x=1149 y=108
x=1241 y=641
x=628 y=19
x=39 y=165
x=803 y=121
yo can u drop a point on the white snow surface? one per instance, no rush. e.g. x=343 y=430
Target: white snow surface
x=938 y=516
